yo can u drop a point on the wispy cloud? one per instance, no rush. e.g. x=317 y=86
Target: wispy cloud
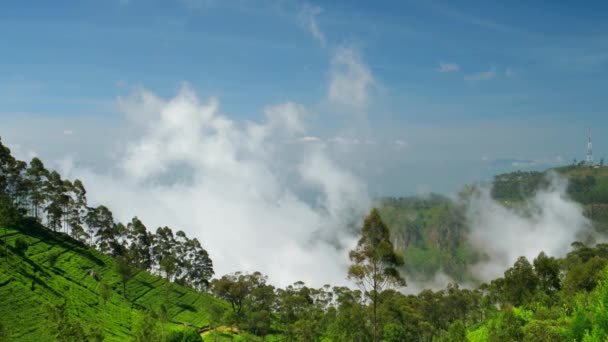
x=467 y=18
x=308 y=19
x=350 y=80
x=481 y=76
x=509 y=72
x=448 y=67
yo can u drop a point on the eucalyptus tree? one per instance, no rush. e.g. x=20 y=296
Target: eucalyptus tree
x=37 y=176
x=163 y=251
x=77 y=211
x=374 y=263
x=140 y=244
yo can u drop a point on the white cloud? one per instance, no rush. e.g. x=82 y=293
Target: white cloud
x=550 y=222
x=509 y=72
x=309 y=139
x=68 y=132
x=448 y=67
x=350 y=81
x=481 y=76
x=236 y=186
x=308 y=19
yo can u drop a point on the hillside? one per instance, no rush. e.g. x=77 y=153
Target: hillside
x=51 y=271
x=431 y=231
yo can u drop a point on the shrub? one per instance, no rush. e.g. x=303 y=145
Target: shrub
x=187 y=335
x=21 y=245
x=52 y=258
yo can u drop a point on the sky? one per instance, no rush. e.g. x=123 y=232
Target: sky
x=316 y=103
x=463 y=89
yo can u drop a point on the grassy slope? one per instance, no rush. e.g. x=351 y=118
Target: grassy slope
x=28 y=284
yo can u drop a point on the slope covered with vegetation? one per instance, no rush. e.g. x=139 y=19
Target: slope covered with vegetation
x=50 y=283
x=431 y=231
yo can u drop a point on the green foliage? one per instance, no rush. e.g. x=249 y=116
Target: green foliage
x=393 y=332
x=374 y=263
x=186 y=335
x=63 y=328
x=4 y=334
x=520 y=282
x=457 y=332
x=52 y=258
x=88 y=283
x=147 y=329
x=430 y=233
x=21 y=245
x=542 y=331
x=584 y=276
x=505 y=327
x=517 y=185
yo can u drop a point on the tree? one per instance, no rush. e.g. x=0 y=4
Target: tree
x=520 y=282
x=163 y=248
x=8 y=217
x=374 y=263
x=108 y=234
x=105 y=292
x=237 y=289
x=62 y=327
x=123 y=268
x=56 y=192
x=547 y=270
x=36 y=176
x=506 y=326
x=141 y=243
x=147 y=329
x=78 y=210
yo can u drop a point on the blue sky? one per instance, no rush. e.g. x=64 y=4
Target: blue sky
x=469 y=88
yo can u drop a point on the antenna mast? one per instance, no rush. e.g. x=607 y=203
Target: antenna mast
x=589 y=150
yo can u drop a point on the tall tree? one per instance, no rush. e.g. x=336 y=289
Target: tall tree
x=374 y=263
x=108 y=233
x=520 y=282
x=164 y=244
x=36 y=176
x=78 y=210
x=140 y=244
x=57 y=195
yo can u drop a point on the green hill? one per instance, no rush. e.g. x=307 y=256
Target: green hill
x=431 y=232
x=49 y=281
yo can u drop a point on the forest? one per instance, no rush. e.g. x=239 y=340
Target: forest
x=69 y=272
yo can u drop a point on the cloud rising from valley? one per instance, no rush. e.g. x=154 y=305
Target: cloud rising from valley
x=549 y=222
x=237 y=186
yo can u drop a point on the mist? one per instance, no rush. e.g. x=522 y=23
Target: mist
x=550 y=221
x=260 y=196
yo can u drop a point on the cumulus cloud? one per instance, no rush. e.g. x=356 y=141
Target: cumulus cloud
x=350 y=81
x=481 y=76
x=236 y=186
x=549 y=222
x=448 y=67
x=308 y=19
